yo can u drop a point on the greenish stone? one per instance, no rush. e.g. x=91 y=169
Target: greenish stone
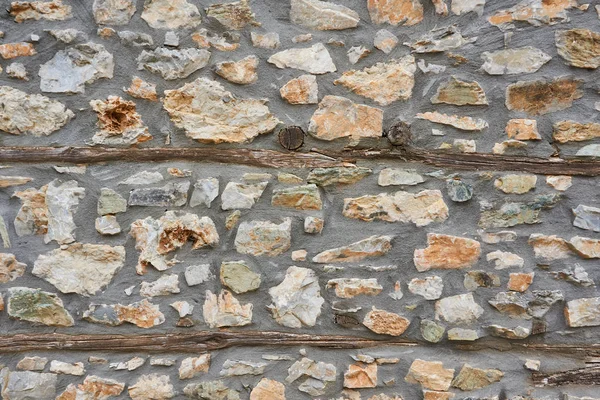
x=213 y=390
x=458 y=190
x=238 y=276
x=35 y=305
x=470 y=378
x=511 y=214
x=305 y=197
x=432 y=331
x=337 y=175
x=111 y=202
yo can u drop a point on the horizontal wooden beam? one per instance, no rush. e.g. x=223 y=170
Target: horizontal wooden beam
x=581 y=376
x=313 y=159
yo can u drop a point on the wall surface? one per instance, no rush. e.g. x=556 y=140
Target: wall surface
x=432 y=232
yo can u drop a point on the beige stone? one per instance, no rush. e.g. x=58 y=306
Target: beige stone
x=460 y=93
x=360 y=376
x=306 y=197
x=119 y=122
x=266 y=238
x=385 y=322
x=583 y=312
x=430 y=374
x=585 y=247
x=505 y=259
x=470 y=378
x=152 y=386
x=269 y=40
x=515 y=184
x=522 y=129
x=394 y=12
x=93 y=387
x=10 y=268
x=521 y=60
x=536 y=12
x=314 y=60
x=141 y=89
x=462 y=123
x=447 y=252
x=579 y=47
x=242 y=72
x=559 y=182
x=503 y=147
x=192 y=366
x=235 y=15
x=322 y=15
x=301 y=90
x=373 y=246
x=142 y=314
x=170 y=14
x=54 y=10
x=571 y=131
x=12 y=50
x=435 y=395
x=520 y=282
x=458 y=309
x=542 y=97
x=549 y=248
x=225 y=310
x=268 y=389
x=347 y=288
x=385 y=41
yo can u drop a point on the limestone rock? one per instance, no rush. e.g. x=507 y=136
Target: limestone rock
x=26 y=385
x=206 y=39
x=576 y=274
x=17 y=70
x=241 y=196
x=173 y=194
x=111 y=202
x=385 y=323
x=430 y=374
x=32 y=363
x=37 y=306
x=385 y=41
x=136 y=39
x=579 y=47
x=522 y=60
x=313 y=225
x=152 y=386
x=522 y=129
x=107 y=225
x=399 y=177
x=462 y=123
x=318 y=373
x=549 y=248
x=559 y=182
x=511 y=214
x=516 y=333
x=439 y=40
x=470 y=378
x=347 y=288
x=79 y=268
x=460 y=7
x=143 y=178
x=360 y=376
x=432 y=331
x=268 y=389
x=583 y=312
x=54 y=10
x=234 y=15
x=68 y=35
x=141 y=89
x=12 y=50
x=269 y=40
x=210 y=390
x=242 y=72
x=591 y=150
x=197 y=274
x=395 y=12
x=210 y=114
x=571 y=131
x=516 y=184
x=163 y=286
x=301 y=90
x=460 y=93
x=170 y=14
x=462 y=334
x=142 y=314
x=191 y=366
x=373 y=246
x=337 y=175
x=322 y=16
x=71 y=69
x=587 y=218
x=430 y=287
x=477 y=279
x=383 y=83
x=239 y=277
x=520 y=282
x=10 y=268
x=263 y=237
x=458 y=309
x=357 y=53
x=232 y=220
x=93 y=387
x=119 y=122
x=585 y=247
x=113 y=12
x=305 y=197
x=225 y=310
x=60 y=367
x=447 y=252
x=297 y=299
x=173 y=63
x=505 y=259
x=205 y=191
x=542 y=97
x=458 y=190
x=314 y=60
x=525 y=306
x=156 y=238
x=497 y=237
x=535 y=12
x=31 y=114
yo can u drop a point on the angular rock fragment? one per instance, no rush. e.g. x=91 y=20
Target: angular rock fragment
x=522 y=129
x=37 y=115
x=93 y=387
x=242 y=72
x=361 y=376
x=497 y=237
x=113 y=12
x=337 y=175
x=263 y=238
x=205 y=191
x=460 y=7
x=430 y=374
x=301 y=90
x=305 y=197
x=462 y=334
x=152 y=386
x=73 y=68
x=347 y=288
x=68 y=35
x=171 y=14
x=239 y=277
x=155 y=238
x=232 y=220
x=447 y=252
x=459 y=309
x=173 y=63
x=542 y=97
x=470 y=378
x=579 y=47
x=458 y=190
x=313 y=225
x=142 y=314
x=398 y=177
x=373 y=246
x=314 y=60
x=54 y=10
x=32 y=363
x=549 y=248
x=111 y=202
x=385 y=323
x=268 y=389
x=79 y=268
x=318 y=371
x=477 y=279
x=430 y=287
x=210 y=390
x=585 y=247
x=535 y=12
x=136 y=39
x=587 y=218
x=432 y=331
x=460 y=93
x=10 y=268
x=591 y=150
x=37 y=306
x=571 y=131
x=141 y=89
x=241 y=196
x=385 y=41
x=119 y=122
x=18 y=71
x=297 y=299
x=511 y=214
x=197 y=274
x=234 y=15
x=26 y=385
x=520 y=282
x=210 y=114
x=516 y=333
x=357 y=53
x=516 y=184
x=225 y=310
x=439 y=40
x=191 y=366
x=163 y=286
x=502 y=147
x=269 y=40
x=143 y=178
x=12 y=50
x=525 y=306
x=522 y=60
x=462 y=123
x=583 y=312
x=505 y=259
x=559 y=182
x=173 y=194
x=322 y=16
x=395 y=12
x=206 y=39
x=60 y=367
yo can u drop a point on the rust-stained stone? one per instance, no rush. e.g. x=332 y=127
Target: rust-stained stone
x=322 y=15
x=152 y=387
x=192 y=366
x=542 y=97
x=430 y=374
x=268 y=40
x=571 y=131
x=10 y=268
x=394 y=12
x=306 y=197
x=520 y=282
x=385 y=322
x=535 y=12
x=447 y=252
x=93 y=388
x=210 y=114
x=373 y=246
x=234 y=15
x=268 y=389
x=301 y=90
x=141 y=89
x=338 y=117
x=347 y=288
x=515 y=184
x=583 y=312
x=266 y=238
x=462 y=123
x=460 y=93
x=225 y=310
x=383 y=82
x=54 y=10
x=522 y=129
x=13 y=50
x=458 y=309
x=170 y=14
x=361 y=376
x=422 y=208
x=119 y=122
x=470 y=378
x=579 y=47
x=476 y=279
x=549 y=248
x=142 y=314
x=435 y=395
x=585 y=247
x=205 y=39
x=242 y=72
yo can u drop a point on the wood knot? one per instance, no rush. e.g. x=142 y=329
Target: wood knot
x=291 y=137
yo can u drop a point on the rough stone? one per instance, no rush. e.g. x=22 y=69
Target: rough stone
x=269 y=40
x=306 y=197
x=210 y=114
x=242 y=72
x=439 y=40
x=516 y=184
x=587 y=218
x=322 y=16
x=141 y=89
x=385 y=41
x=10 y=268
x=447 y=252
x=232 y=219
x=549 y=248
x=347 y=288
x=360 y=376
x=513 y=213
x=460 y=93
x=119 y=122
x=385 y=322
x=113 y=12
x=17 y=71
x=520 y=282
x=571 y=131
x=458 y=309
x=460 y=7
x=395 y=12
x=241 y=196
x=152 y=386
x=27 y=385
x=32 y=363
x=470 y=378
x=136 y=39
x=357 y=53
x=93 y=387
x=197 y=274
x=142 y=314
x=505 y=259
x=192 y=366
x=54 y=10
x=516 y=333
x=477 y=279
x=559 y=182
x=163 y=286
x=430 y=374
x=497 y=237
x=535 y=12
x=173 y=194
x=143 y=178
x=522 y=60
x=462 y=334
x=9 y=51
x=205 y=191
x=373 y=246
x=591 y=150
x=337 y=175
x=37 y=306
x=579 y=47
x=210 y=390
x=68 y=35
x=225 y=310
x=583 y=312
x=111 y=202
x=458 y=190
x=542 y=97
x=266 y=238
x=173 y=64
x=432 y=331
x=399 y=177
x=314 y=60
x=235 y=16
x=60 y=367
x=313 y=225
x=301 y=90
x=430 y=287
x=239 y=277
x=170 y=14
x=462 y=123
x=522 y=129
x=206 y=39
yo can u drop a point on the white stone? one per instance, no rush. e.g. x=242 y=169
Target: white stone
x=430 y=287
x=173 y=63
x=241 y=196
x=205 y=191
x=163 y=286
x=314 y=60
x=197 y=274
x=458 y=309
x=64 y=368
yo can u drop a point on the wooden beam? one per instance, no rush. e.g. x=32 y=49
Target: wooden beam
x=582 y=376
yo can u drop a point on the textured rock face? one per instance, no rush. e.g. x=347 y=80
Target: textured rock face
x=430 y=374
x=522 y=60
x=314 y=60
x=263 y=238
x=337 y=175
x=10 y=268
x=587 y=218
x=583 y=312
x=516 y=184
x=54 y=10
x=173 y=64
x=37 y=115
x=152 y=386
x=535 y=12
x=241 y=196
x=113 y=12
x=242 y=72
x=459 y=309
x=210 y=114
x=384 y=83
x=347 y=288
x=119 y=122
x=170 y=14
x=385 y=323
x=301 y=90
x=322 y=16
x=462 y=123
x=210 y=390
x=239 y=277
x=470 y=378
x=447 y=252
x=373 y=246
x=24 y=385
x=460 y=93
x=93 y=387
x=542 y=97
x=142 y=314
x=234 y=15
x=571 y=131
x=438 y=40
x=579 y=47
x=394 y=12
x=305 y=197
x=225 y=310
x=37 y=306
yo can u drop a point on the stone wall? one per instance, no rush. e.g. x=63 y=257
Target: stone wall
x=265 y=200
